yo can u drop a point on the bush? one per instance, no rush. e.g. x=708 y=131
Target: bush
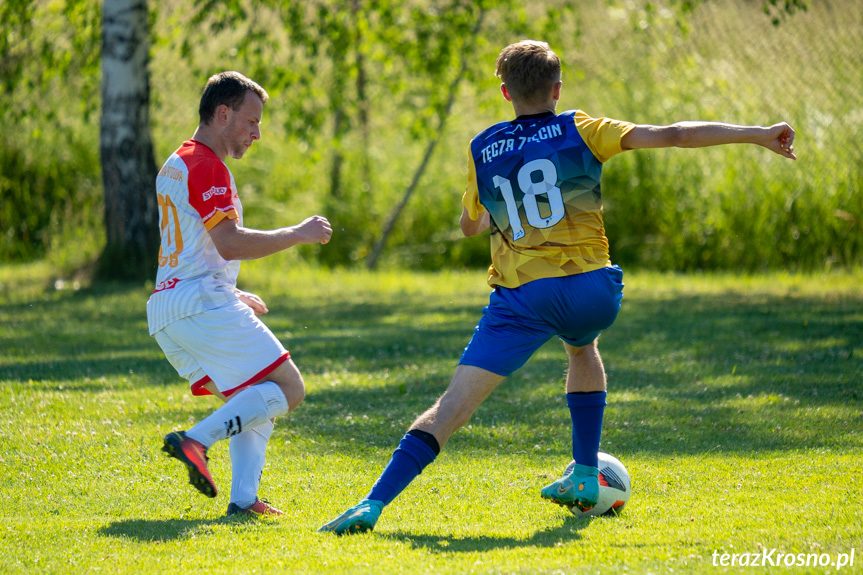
x=50 y=203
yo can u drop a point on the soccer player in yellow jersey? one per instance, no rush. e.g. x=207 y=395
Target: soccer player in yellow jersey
x=535 y=182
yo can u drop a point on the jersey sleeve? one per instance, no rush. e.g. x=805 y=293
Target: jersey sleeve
x=602 y=135
x=470 y=199
x=210 y=193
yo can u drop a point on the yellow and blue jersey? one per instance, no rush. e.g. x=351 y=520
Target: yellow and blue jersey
x=539 y=179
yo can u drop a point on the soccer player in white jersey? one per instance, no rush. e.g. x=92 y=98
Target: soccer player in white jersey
x=208 y=329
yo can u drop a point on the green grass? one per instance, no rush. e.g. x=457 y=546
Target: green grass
x=735 y=404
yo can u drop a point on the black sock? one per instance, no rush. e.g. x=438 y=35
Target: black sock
x=426 y=438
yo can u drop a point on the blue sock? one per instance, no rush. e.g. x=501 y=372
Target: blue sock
x=586 y=410
x=409 y=459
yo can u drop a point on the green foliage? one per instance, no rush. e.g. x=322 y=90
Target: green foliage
x=358 y=89
x=49 y=60
x=357 y=80
x=50 y=202
x=734 y=207
x=671 y=209
x=734 y=403
x=777 y=10
x=50 y=187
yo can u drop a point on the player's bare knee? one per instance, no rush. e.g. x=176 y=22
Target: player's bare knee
x=298 y=394
x=290 y=381
x=294 y=390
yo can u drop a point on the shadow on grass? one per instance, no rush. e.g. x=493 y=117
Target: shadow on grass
x=568 y=531
x=97 y=333
x=164 y=530
x=687 y=372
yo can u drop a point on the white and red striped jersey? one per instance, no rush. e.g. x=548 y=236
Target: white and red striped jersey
x=196 y=191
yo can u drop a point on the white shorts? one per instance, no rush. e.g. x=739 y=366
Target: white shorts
x=229 y=346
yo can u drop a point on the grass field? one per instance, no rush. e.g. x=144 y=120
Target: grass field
x=735 y=403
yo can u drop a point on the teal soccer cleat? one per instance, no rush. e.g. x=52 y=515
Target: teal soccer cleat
x=579 y=487
x=358 y=519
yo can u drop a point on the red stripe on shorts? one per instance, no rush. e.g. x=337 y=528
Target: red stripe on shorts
x=199 y=389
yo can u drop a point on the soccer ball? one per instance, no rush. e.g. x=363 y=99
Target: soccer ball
x=614 y=488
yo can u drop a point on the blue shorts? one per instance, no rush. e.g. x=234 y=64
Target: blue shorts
x=519 y=321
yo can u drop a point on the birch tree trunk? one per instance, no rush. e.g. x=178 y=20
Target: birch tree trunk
x=128 y=163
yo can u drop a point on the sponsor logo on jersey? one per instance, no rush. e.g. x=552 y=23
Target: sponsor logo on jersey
x=167 y=284
x=214 y=191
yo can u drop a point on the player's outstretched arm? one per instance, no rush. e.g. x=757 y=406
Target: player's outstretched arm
x=778 y=138
x=235 y=242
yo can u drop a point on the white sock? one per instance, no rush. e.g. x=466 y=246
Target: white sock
x=248 y=451
x=250 y=408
